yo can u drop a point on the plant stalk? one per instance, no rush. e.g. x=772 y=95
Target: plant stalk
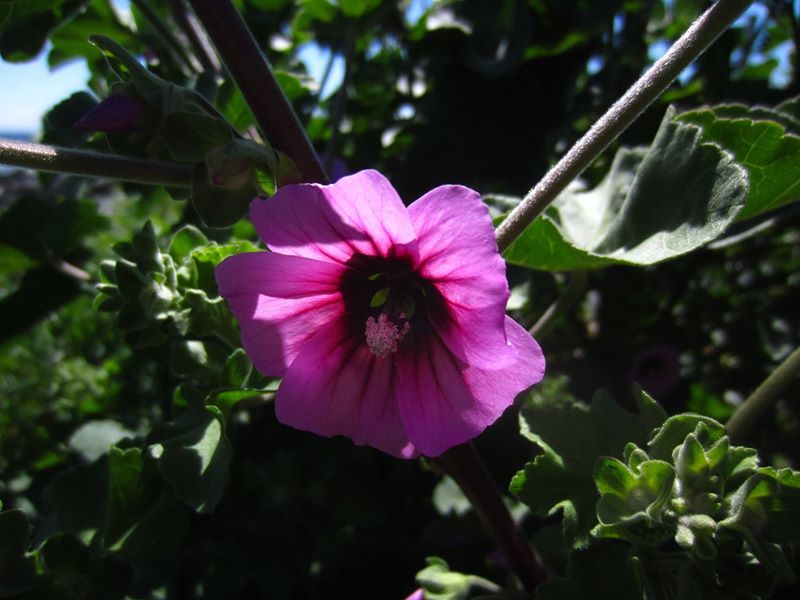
x=92 y=164
x=571 y=294
x=622 y=113
x=172 y=42
x=249 y=68
x=196 y=36
x=465 y=466
x=752 y=409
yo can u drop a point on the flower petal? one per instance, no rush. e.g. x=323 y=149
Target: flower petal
x=359 y=214
x=444 y=402
x=336 y=386
x=280 y=302
x=458 y=254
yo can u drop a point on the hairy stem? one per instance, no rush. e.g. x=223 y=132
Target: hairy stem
x=465 y=466
x=748 y=414
x=92 y=164
x=249 y=68
x=624 y=111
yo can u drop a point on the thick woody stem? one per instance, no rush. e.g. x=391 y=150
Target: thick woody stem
x=465 y=466
x=249 y=68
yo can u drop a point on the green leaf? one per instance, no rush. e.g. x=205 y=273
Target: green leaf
x=158 y=533
x=632 y=499
x=572 y=436
x=358 y=8
x=768 y=504
x=237 y=369
x=191 y=135
x=125 y=496
x=150 y=87
x=225 y=400
x=762 y=141
x=440 y=583
x=70 y=40
x=17 y=575
x=193 y=455
x=14 y=532
x=653 y=205
x=199 y=360
x=25 y=26
x=218 y=206
x=675 y=430
x=234 y=107
x=652 y=412
x=14 y=261
x=605 y=571
x=79 y=497
x=65 y=552
x=186 y=239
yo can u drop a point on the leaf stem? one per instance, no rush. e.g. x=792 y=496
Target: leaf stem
x=249 y=68
x=621 y=114
x=751 y=410
x=172 y=42
x=571 y=294
x=465 y=466
x=196 y=36
x=92 y=164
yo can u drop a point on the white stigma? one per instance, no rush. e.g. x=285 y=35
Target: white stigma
x=383 y=335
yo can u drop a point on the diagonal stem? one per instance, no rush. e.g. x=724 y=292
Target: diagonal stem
x=743 y=420
x=166 y=34
x=249 y=68
x=650 y=86
x=93 y=164
x=465 y=466
x=571 y=294
x=191 y=28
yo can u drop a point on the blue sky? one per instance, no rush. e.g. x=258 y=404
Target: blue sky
x=30 y=89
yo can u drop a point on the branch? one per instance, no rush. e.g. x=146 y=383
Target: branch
x=166 y=34
x=464 y=465
x=624 y=111
x=571 y=294
x=743 y=420
x=93 y=164
x=196 y=36
x=249 y=68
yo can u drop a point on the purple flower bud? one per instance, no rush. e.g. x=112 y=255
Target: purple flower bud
x=656 y=369
x=118 y=113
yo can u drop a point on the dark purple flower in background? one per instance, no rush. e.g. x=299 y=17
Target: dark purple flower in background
x=118 y=113
x=656 y=369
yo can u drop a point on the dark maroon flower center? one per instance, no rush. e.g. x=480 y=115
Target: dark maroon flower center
x=387 y=302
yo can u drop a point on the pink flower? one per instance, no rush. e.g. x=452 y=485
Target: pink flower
x=386 y=323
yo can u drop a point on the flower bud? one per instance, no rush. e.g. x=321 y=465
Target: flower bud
x=118 y=113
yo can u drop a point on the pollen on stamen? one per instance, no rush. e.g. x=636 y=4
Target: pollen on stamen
x=383 y=335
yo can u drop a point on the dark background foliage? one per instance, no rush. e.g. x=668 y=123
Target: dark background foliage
x=485 y=94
